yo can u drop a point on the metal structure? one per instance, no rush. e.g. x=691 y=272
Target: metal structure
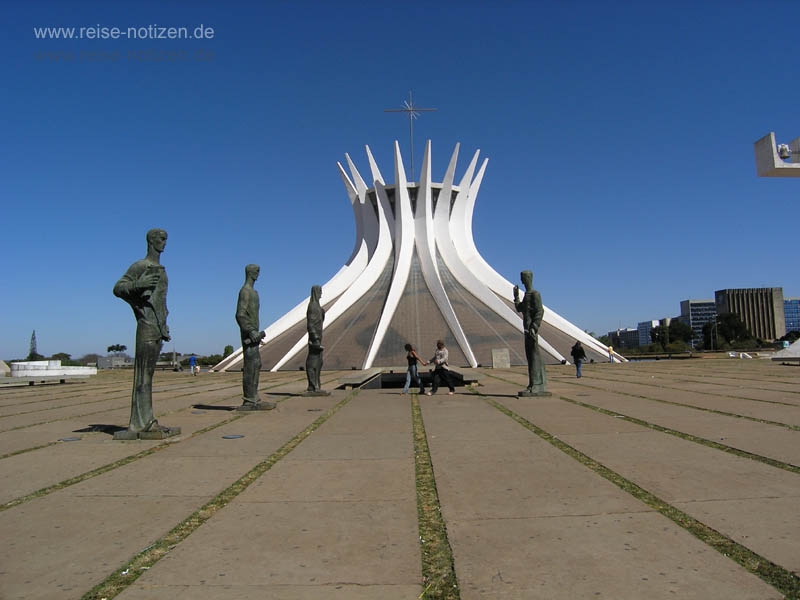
x=415 y=276
x=413 y=113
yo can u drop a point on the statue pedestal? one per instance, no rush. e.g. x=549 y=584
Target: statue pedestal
x=159 y=434
x=316 y=393
x=530 y=394
x=261 y=405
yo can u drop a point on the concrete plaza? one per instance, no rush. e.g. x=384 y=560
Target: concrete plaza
x=622 y=485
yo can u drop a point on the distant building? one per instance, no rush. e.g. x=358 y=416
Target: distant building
x=791 y=314
x=696 y=313
x=760 y=309
x=624 y=338
x=643 y=329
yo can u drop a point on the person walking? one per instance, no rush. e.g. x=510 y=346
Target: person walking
x=193 y=364
x=578 y=357
x=441 y=372
x=411 y=374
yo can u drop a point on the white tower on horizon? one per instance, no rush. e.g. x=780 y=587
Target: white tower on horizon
x=415 y=276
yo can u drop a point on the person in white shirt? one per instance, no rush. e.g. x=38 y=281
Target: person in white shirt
x=441 y=372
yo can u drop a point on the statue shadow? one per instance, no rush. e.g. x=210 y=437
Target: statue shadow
x=231 y=408
x=101 y=428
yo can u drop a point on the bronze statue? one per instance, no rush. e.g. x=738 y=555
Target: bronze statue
x=144 y=287
x=532 y=312
x=315 y=316
x=247 y=317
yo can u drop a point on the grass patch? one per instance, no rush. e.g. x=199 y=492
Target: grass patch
x=783 y=580
x=125 y=575
x=438 y=570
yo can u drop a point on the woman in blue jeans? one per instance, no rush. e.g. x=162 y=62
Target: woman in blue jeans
x=412 y=375
x=578 y=357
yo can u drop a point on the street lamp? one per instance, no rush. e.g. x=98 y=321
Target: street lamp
x=714 y=324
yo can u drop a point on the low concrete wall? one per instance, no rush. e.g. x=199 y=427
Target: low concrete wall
x=49 y=368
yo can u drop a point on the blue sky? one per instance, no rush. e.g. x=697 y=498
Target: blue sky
x=619 y=136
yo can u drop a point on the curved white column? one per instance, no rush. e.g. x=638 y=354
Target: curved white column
x=403 y=253
x=366 y=213
x=373 y=167
x=365 y=280
x=426 y=250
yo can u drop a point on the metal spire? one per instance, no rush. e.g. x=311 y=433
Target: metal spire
x=413 y=113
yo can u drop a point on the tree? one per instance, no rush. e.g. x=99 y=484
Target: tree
x=727 y=330
x=673 y=338
x=732 y=329
x=66 y=359
x=210 y=360
x=660 y=335
x=680 y=331
x=87 y=359
x=32 y=353
x=791 y=336
x=227 y=351
x=118 y=348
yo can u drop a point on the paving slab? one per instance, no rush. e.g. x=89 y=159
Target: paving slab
x=618 y=557
x=297 y=543
x=158 y=491
x=337 y=515
x=750 y=408
x=379 y=412
x=535 y=523
x=19 y=440
x=353 y=446
x=765 y=439
x=60 y=546
x=333 y=480
x=54 y=403
x=677 y=470
x=512 y=489
x=778 y=526
x=758 y=390
x=32 y=471
x=734 y=389
x=115 y=411
x=173 y=476
x=263 y=431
